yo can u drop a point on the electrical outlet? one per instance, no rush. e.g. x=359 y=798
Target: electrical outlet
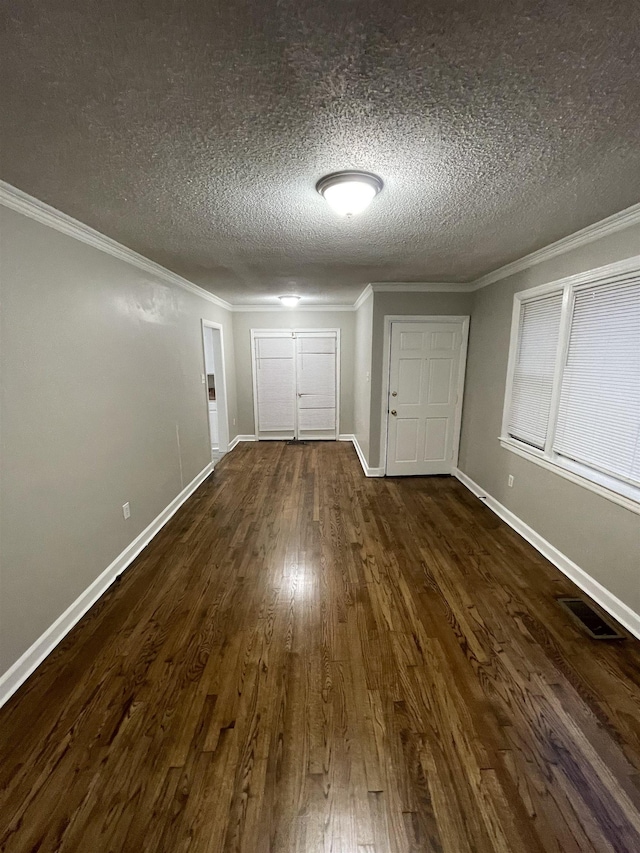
x=510 y=480
x=234 y=421
x=203 y=378
x=126 y=510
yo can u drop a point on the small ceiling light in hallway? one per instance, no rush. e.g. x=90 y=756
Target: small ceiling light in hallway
x=289 y=301
x=349 y=192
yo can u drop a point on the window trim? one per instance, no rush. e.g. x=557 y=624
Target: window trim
x=618 y=491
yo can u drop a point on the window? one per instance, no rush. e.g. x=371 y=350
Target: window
x=532 y=386
x=573 y=382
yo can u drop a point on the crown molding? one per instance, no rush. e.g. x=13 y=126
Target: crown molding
x=262 y=308
x=422 y=286
x=412 y=287
x=617 y=222
x=366 y=293
x=39 y=211
x=21 y=202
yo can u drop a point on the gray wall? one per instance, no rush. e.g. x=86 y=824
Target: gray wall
x=243 y=322
x=362 y=375
x=411 y=304
x=100 y=363
x=600 y=536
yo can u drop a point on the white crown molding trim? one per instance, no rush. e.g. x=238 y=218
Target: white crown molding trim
x=261 y=308
x=616 y=269
x=21 y=202
x=366 y=293
x=617 y=222
x=17 y=674
x=600 y=594
x=15 y=199
x=413 y=287
x=368 y=471
x=234 y=442
x=422 y=287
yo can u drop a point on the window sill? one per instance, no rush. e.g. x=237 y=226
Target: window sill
x=536 y=457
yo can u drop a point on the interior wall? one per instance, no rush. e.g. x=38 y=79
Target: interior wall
x=102 y=403
x=244 y=321
x=411 y=304
x=362 y=375
x=602 y=537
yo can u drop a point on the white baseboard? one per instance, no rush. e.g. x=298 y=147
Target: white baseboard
x=11 y=680
x=368 y=471
x=238 y=439
x=600 y=594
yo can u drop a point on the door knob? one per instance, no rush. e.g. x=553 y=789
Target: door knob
x=393 y=412
x=394 y=393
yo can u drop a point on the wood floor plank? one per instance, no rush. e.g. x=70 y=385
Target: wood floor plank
x=307 y=660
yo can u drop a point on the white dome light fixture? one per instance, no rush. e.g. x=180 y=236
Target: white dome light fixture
x=349 y=192
x=289 y=301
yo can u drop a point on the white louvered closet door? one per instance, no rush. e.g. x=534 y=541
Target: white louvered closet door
x=275 y=386
x=316 y=385
x=296 y=384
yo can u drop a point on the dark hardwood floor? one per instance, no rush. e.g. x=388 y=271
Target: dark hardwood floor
x=306 y=660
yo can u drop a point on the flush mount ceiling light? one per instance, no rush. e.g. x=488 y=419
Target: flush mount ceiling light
x=289 y=301
x=349 y=192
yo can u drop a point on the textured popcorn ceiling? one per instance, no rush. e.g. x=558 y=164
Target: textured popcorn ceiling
x=194 y=132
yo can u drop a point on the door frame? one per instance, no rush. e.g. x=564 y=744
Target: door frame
x=221 y=389
x=276 y=333
x=389 y=319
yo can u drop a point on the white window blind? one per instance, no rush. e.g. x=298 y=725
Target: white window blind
x=532 y=385
x=599 y=415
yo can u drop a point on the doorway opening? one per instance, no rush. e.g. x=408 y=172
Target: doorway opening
x=215 y=389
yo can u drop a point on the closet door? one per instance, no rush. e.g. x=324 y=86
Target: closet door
x=316 y=384
x=275 y=386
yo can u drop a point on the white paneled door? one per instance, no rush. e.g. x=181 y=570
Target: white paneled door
x=296 y=384
x=426 y=373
